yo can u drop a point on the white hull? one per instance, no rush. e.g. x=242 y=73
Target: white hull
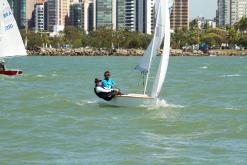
x=131 y=100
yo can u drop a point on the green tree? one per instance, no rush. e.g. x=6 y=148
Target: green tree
x=232 y=36
x=179 y=38
x=243 y=41
x=212 y=39
x=242 y=25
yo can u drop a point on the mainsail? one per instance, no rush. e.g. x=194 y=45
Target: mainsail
x=161 y=74
x=154 y=46
x=161 y=33
x=10 y=38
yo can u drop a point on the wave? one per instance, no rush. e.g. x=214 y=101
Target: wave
x=85 y=102
x=161 y=103
x=230 y=75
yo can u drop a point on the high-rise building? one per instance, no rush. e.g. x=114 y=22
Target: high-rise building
x=109 y=14
x=180 y=14
x=144 y=16
x=238 y=9
x=24 y=12
x=230 y=11
x=120 y=14
x=88 y=16
x=76 y=16
x=57 y=14
x=130 y=15
x=103 y=13
x=81 y=15
x=223 y=12
x=40 y=16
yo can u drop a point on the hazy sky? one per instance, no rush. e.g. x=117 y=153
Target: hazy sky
x=203 y=8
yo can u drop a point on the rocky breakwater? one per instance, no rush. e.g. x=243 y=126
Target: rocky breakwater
x=84 y=52
x=38 y=51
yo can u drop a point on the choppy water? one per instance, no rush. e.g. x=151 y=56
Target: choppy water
x=50 y=114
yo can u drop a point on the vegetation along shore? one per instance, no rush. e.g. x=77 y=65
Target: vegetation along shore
x=194 y=41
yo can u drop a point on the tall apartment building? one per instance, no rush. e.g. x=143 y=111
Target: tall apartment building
x=230 y=11
x=81 y=15
x=109 y=13
x=224 y=12
x=130 y=15
x=40 y=18
x=23 y=11
x=180 y=14
x=76 y=16
x=238 y=9
x=57 y=14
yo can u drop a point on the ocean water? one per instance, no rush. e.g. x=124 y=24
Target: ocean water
x=50 y=115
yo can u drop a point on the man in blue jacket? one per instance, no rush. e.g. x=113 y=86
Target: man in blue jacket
x=108 y=83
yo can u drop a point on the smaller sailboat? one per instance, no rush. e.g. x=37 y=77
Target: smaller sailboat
x=161 y=33
x=10 y=38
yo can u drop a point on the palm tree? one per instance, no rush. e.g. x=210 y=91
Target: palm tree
x=242 y=25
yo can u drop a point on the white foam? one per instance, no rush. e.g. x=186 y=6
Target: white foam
x=204 y=67
x=40 y=75
x=161 y=103
x=84 y=102
x=231 y=75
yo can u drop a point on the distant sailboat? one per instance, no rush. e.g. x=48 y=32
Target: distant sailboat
x=161 y=33
x=11 y=43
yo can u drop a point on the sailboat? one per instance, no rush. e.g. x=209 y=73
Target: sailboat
x=11 y=43
x=161 y=33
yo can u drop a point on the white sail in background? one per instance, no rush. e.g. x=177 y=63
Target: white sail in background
x=154 y=46
x=162 y=70
x=11 y=43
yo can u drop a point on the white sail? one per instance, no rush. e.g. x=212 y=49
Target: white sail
x=161 y=74
x=154 y=46
x=10 y=38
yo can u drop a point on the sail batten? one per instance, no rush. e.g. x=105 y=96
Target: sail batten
x=10 y=38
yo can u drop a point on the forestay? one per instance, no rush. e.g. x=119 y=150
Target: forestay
x=10 y=38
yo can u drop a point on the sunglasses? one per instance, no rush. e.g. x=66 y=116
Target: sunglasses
x=107 y=75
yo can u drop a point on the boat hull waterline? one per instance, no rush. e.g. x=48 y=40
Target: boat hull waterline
x=131 y=100
x=11 y=72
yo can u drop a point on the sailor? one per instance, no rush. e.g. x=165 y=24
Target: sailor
x=101 y=92
x=99 y=88
x=2 y=66
x=108 y=83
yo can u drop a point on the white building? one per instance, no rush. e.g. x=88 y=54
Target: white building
x=238 y=10
x=149 y=22
x=230 y=11
x=202 y=22
x=139 y=15
x=39 y=17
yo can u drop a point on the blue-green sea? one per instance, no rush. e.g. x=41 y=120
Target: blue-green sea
x=50 y=115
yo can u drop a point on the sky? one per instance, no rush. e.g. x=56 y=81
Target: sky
x=202 y=8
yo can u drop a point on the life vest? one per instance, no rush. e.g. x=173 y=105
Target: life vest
x=104 y=95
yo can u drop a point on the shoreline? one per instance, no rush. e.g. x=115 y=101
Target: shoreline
x=38 y=51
